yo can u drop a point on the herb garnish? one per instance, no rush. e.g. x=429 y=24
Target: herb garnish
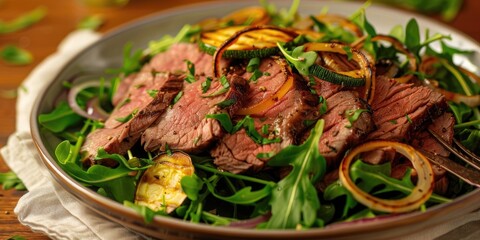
x=14 y=55
x=128 y=117
x=23 y=21
x=300 y=59
x=191 y=72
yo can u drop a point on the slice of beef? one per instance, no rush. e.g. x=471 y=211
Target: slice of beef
x=174 y=60
x=122 y=89
x=400 y=109
x=339 y=133
x=443 y=126
x=286 y=120
x=184 y=126
x=117 y=136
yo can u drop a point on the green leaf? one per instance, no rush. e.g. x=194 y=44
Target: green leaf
x=295 y=201
x=177 y=97
x=132 y=62
x=23 y=21
x=115 y=181
x=92 y=22
x=461 y=111
x=60 y=118
x=143 y=163
x=191 y=72
x=206 y=84
x=412 y=33
x=244 y=195
x=10 y=180
x=253 y=65
x=191 y=185
x=16 y=56
x=128 y=117
x=16 y=237
x=223 y=119
x=151 y=92
x=353 y=115
x=184 y=35
x=147 y=213
x=336 y=190
x=301 y=60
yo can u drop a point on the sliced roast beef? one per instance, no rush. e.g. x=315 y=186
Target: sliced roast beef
x=400 y=109
x=285 y=120
x=185 y=126
x=342 y=130
x=443 y=126
x=174 y=60
x=122 y=89
x=147 y=98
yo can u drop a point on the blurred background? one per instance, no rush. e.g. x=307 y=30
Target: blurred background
x=30 y=30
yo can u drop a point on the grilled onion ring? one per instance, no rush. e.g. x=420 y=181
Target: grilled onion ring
x=420 y=193
x=469 y=99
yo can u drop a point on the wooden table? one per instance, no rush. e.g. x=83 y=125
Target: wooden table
x=43 y=38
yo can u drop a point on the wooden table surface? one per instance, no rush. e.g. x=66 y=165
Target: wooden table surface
x=43 y=38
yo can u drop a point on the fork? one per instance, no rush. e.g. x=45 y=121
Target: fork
x=469 y=175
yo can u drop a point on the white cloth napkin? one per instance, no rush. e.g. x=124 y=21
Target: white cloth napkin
x=49 y=209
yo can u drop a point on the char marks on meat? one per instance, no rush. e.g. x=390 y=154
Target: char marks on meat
x=285 y=119
x=149 y=96
x=185 y=127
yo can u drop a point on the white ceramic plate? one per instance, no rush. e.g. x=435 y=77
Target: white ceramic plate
x=107 y=53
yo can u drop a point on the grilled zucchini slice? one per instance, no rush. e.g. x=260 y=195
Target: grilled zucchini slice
x=255 y=43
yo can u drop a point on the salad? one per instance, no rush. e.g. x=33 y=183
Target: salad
x=268 y=119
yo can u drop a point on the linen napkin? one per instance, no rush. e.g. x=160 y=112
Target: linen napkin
x=49 y=209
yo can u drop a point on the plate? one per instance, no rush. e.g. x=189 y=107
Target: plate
x=107 y=53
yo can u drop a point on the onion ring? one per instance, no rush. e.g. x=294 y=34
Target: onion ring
x=93 y=111
x=420 y=193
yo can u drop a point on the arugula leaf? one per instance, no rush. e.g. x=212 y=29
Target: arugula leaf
x=147 y=213
x=336 y=190
x=16 y=56
x=115 y=181
x=185 y=33
x=132 y=62
x=23 y=21
x=294 y=201
x=412 y=33
x=191 y=186
x=92 y=22
x=244 y=195
x=10 y=180
x=301 y=60
x=282 y=17
x=60 y=118
x=247 y=123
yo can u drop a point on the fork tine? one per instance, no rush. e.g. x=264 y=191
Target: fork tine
x=475 y=164
x=468 y=175
x=466 y=150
